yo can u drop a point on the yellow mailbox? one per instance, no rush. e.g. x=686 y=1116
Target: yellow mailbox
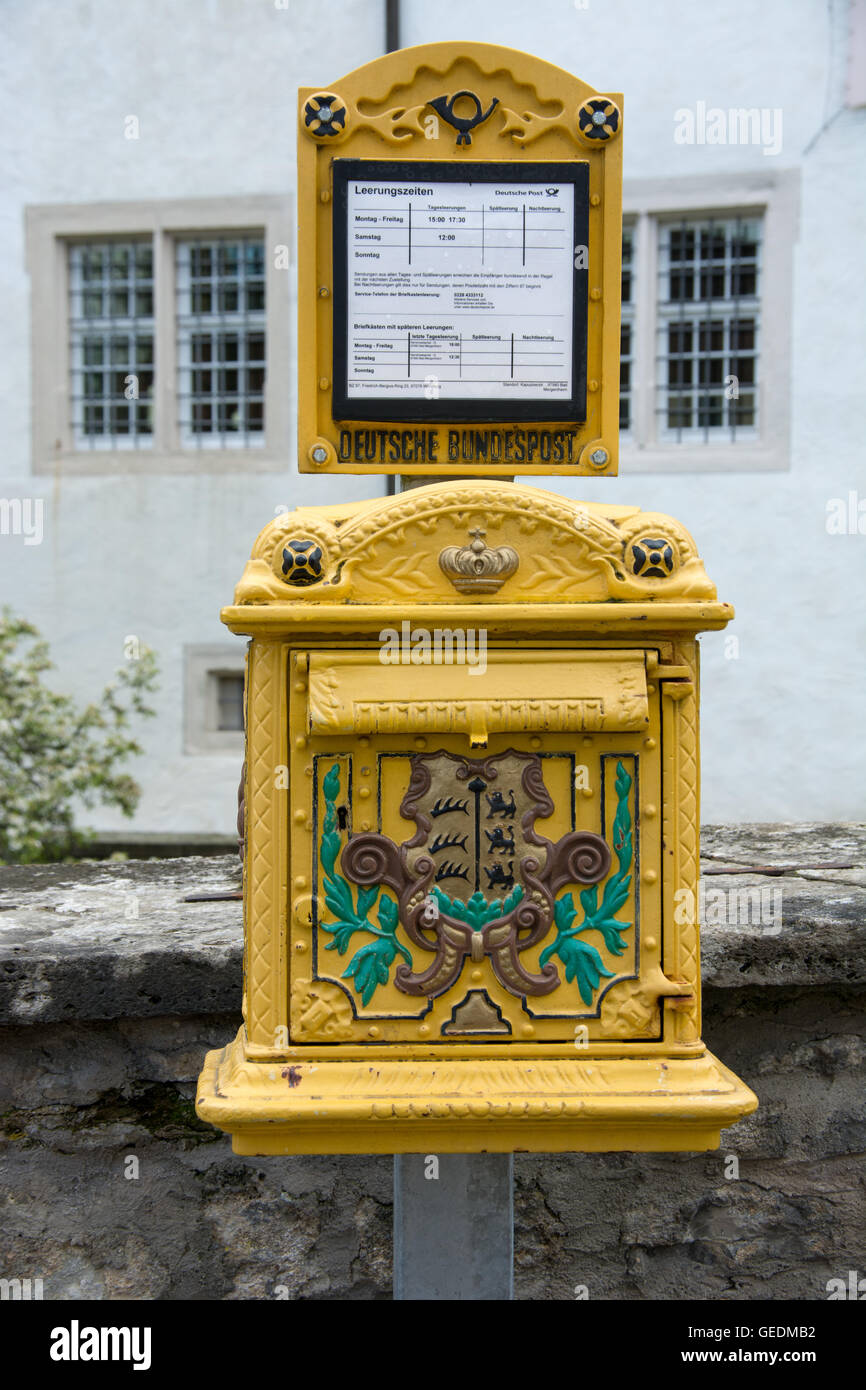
x=471 y=799
x=471 y=826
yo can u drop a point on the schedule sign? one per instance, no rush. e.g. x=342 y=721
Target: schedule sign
x=460 y=290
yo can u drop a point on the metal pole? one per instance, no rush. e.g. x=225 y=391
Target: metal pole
x=454 y=1227
x=392 y=25
x=453 y=1213
x=392 y=43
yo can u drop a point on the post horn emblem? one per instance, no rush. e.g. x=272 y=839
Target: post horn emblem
x=477 y=568
x=444 y=107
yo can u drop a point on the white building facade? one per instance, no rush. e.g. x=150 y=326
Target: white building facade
x=148 y=349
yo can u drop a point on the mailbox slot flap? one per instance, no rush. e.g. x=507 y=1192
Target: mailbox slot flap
x=486 y=693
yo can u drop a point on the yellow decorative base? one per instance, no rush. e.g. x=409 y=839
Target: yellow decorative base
x=470 y=1105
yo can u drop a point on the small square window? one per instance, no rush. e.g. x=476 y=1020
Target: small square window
x=213 y=700
x=230 y=701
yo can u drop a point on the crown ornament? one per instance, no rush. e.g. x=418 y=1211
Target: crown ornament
x=477 y=568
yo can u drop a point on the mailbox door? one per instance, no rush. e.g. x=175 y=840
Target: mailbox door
x=475 y=854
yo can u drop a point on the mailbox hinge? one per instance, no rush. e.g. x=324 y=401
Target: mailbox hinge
x=678 y=682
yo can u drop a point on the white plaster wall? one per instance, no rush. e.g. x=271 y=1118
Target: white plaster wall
x=213 y=84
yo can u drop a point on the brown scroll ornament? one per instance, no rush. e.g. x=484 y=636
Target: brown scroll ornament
x=475 y=827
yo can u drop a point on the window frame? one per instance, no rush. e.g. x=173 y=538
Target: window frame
x=647 y=203
x=49 y=230
x=203 y=664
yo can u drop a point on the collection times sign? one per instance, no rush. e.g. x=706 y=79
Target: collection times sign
x=458 y=292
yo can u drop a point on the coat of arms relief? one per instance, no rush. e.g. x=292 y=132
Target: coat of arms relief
x=475 y=880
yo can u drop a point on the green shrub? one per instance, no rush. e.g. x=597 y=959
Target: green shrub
x=56 y=757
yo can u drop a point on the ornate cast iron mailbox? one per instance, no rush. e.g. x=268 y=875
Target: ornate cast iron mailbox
x=471 y=796
x=472 y=813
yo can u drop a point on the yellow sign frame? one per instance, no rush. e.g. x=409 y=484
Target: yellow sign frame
x=403 y=107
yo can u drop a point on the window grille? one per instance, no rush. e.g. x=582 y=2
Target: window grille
x=708 y=329
x=111 y=345
x=626 y=330
x=221 y=341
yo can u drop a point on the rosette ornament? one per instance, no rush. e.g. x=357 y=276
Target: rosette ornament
x=598 y=119
x=325 y=115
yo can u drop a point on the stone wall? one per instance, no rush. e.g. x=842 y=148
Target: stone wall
x=112 y=987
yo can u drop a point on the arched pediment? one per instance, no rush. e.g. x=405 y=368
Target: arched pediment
x=452 y=542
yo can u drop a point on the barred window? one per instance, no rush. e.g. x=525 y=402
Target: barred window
x=707 y=327
x=111 y=344
x=626 y=330
x=159 y=332
x=221 y=341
